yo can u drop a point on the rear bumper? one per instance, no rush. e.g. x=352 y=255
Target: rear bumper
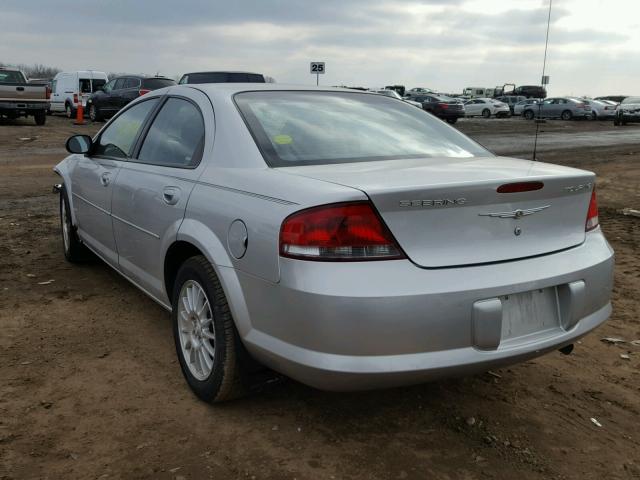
x=354 y=326
x=22 y=107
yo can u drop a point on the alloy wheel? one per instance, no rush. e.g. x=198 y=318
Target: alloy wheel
x=65 y=226
x=196 y=330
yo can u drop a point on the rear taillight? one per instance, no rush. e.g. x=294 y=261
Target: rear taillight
x=48 y=92
x=443 y=106
x=338 y=232
x=75 y=98
x=592 y=214
x=142 y=91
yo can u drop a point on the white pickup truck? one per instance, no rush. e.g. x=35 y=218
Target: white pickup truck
x=18 y=98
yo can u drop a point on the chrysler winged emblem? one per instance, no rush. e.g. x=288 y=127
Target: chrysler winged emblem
x=515 y=213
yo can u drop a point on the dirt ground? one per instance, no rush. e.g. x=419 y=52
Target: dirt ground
x=90 y=386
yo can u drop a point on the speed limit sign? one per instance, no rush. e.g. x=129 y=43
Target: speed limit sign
x=318 y=69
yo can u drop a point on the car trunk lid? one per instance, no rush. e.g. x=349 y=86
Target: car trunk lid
x=448 y=211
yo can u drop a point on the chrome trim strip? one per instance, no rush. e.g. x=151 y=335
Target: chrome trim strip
x=249 y=194
x=154 y=235
x=74 y=194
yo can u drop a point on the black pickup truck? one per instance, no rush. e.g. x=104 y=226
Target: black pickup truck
x=18 y=98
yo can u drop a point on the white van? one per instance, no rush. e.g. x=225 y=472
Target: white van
x=69 y=88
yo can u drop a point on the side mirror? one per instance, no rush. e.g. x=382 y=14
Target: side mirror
x=79 y=144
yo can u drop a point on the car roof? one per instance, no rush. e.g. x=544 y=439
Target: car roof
x=221 y=71
x=142 y=77
x=230 y=89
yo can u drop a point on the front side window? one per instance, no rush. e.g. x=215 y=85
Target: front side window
x=119 y=84
x=176 y=137
x=109 y=86
x=117 y=139
x=310 y=128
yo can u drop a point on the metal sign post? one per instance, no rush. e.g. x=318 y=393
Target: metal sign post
x=318 y=69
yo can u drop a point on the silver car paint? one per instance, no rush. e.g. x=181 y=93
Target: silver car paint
x=338 y=325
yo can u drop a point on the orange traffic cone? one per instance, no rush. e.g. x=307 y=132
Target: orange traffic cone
x=79 y=115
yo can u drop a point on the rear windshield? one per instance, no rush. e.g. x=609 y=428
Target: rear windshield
x=631 y=100
x=98 y=83
x=11 y=76
x=155 y=83
x=222 y=77
x=310 y=128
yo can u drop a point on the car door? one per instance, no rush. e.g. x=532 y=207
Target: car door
x=93 y=178
x=130 y=91
x=473 y=107
x=548 y=107
x=113 y=101
x=152 y=190
x=101 y=97
x=57 y=104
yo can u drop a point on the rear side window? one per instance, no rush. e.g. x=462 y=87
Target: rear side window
x=176 y=137
x=117 y=139
x=155 y=83
x=310 y=128
x=131 y=83
x=222 y=77
x=11 y=76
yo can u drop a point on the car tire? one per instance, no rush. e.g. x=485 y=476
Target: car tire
x=40 y=117
x=486 y=113
x=213 y=369
x=566 y=115
x=68 y=110
x=528 y=114
x=594 y=116
x=74 y=250
x=452 y=120
x=94 y=113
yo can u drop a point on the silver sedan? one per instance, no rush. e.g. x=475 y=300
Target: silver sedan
x=345 y=239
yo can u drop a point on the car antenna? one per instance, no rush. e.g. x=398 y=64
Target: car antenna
x=542 y=82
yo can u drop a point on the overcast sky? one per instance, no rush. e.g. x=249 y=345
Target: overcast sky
x=442 y=44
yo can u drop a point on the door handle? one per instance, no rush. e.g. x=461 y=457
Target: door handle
x=20 y=89
x=105 y=179
x=171 y=195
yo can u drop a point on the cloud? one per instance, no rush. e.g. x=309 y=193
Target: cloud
x=443 y=44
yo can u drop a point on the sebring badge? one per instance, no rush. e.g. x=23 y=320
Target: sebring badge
x=515 y=213
x=440 y=202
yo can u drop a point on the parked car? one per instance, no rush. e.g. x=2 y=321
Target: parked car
x=223 y=77
x=397 y=88
x=20 y=98
x=627 y=111
x=613 y=98
x=511 y=100
x=417 y=92
x=600 y=110
x=477 y=92
x=393 y=94
x=519 y=107
x=68 y=89
x=443 y=107
x=566 y=108
x=530 y=91
x=257 y=239
x=486 y=107
x=109 y=99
